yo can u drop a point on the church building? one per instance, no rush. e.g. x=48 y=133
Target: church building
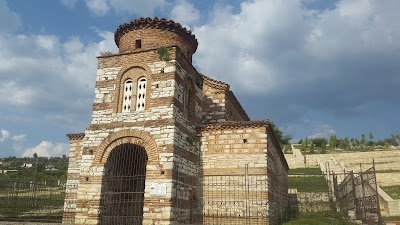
x=168 y=144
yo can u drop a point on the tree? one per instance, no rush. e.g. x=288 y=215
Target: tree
x=371 y=138
x=35 y=155
x=319 y=142
x=343 y=143
x=363 y=141
x=283 y=139
x=352 y=142
x=304 y=144
x=332 y=141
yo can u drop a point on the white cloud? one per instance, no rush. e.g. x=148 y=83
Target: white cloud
x=56 y=77
x=73 y=45
x=247 y=45
x=4 y=135
x=47 y=149
x=47 y=82
x=13 y=94
x=139 y=7
x=298 y=56
x=19 y=138
x=9 y=21
x=99 y=7
x=322 y=130
x=108 y=42
x=69 y=3
x=142 y=8
x=185 y=13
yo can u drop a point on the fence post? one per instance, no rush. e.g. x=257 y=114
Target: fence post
x=247 y=192
x=363 y=194
x=353 y=186
x=377 y=194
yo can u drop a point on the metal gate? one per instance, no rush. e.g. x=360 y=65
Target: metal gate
x=230 y=199
x=357 y=196
x=122 y=194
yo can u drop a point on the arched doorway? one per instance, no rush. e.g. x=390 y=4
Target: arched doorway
x=123 y=184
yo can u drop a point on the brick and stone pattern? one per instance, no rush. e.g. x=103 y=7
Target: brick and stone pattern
x=191 y=127
x=219 y=103
x=244 y=149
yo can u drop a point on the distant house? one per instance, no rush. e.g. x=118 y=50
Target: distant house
x=2 y=162
x=27 y=165
x=9 y=171
x=50 y=168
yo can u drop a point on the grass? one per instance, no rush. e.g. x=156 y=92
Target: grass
x=391 y=218
x=307 y=170
x=392 y=191
x=387 y=171
x=307 y=179
x=308 y=183
x=38 y=203
x=319 y=218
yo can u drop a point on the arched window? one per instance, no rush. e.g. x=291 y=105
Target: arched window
x=127 y=99
x=141 y=94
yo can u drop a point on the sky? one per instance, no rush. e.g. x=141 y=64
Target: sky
x=314 y=67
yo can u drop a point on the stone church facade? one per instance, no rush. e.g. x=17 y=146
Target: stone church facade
x=161 y=132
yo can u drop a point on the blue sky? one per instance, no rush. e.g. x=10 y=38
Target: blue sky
x=314 y=67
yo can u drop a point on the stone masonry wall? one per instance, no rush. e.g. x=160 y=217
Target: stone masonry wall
x=227 y=152
x=233 y=109
x=179 y=150
x=157 y=120
x=213 y=104
x=278 y=185
x=153 y=39
x=247 y=148
x=220 y=104
x=186 y=142
x=75 y=154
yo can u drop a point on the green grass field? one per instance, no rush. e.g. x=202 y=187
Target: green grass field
x=319 y=218
x=308 y=179
x=392 y=191
x=307 y=170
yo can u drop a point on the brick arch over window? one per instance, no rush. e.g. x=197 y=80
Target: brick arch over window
x=134 y=72
x=127 y=137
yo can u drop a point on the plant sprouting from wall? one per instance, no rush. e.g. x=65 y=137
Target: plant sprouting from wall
x=163 y=54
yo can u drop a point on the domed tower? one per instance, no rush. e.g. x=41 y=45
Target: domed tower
x=141 y=145
x=148 y=34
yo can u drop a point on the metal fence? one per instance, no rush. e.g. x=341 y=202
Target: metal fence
x=35 y=201
x=357 y=196
x=215 y=199
x=225 y=199
x=253 y=199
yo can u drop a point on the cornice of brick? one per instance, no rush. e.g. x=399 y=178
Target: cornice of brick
x=78 y=136
x=219 y=85
x=233 y=125
x=155 y=23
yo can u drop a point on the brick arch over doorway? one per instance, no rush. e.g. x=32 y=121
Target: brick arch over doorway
x=136 y=137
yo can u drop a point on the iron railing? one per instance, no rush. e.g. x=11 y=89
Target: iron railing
x=358 y=198
x=211 y=199
x=35 y=201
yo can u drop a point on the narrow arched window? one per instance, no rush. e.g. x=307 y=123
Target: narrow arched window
x=141 y=94
x=127 y=101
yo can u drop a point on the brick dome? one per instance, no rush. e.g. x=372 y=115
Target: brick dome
x=148 y=33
